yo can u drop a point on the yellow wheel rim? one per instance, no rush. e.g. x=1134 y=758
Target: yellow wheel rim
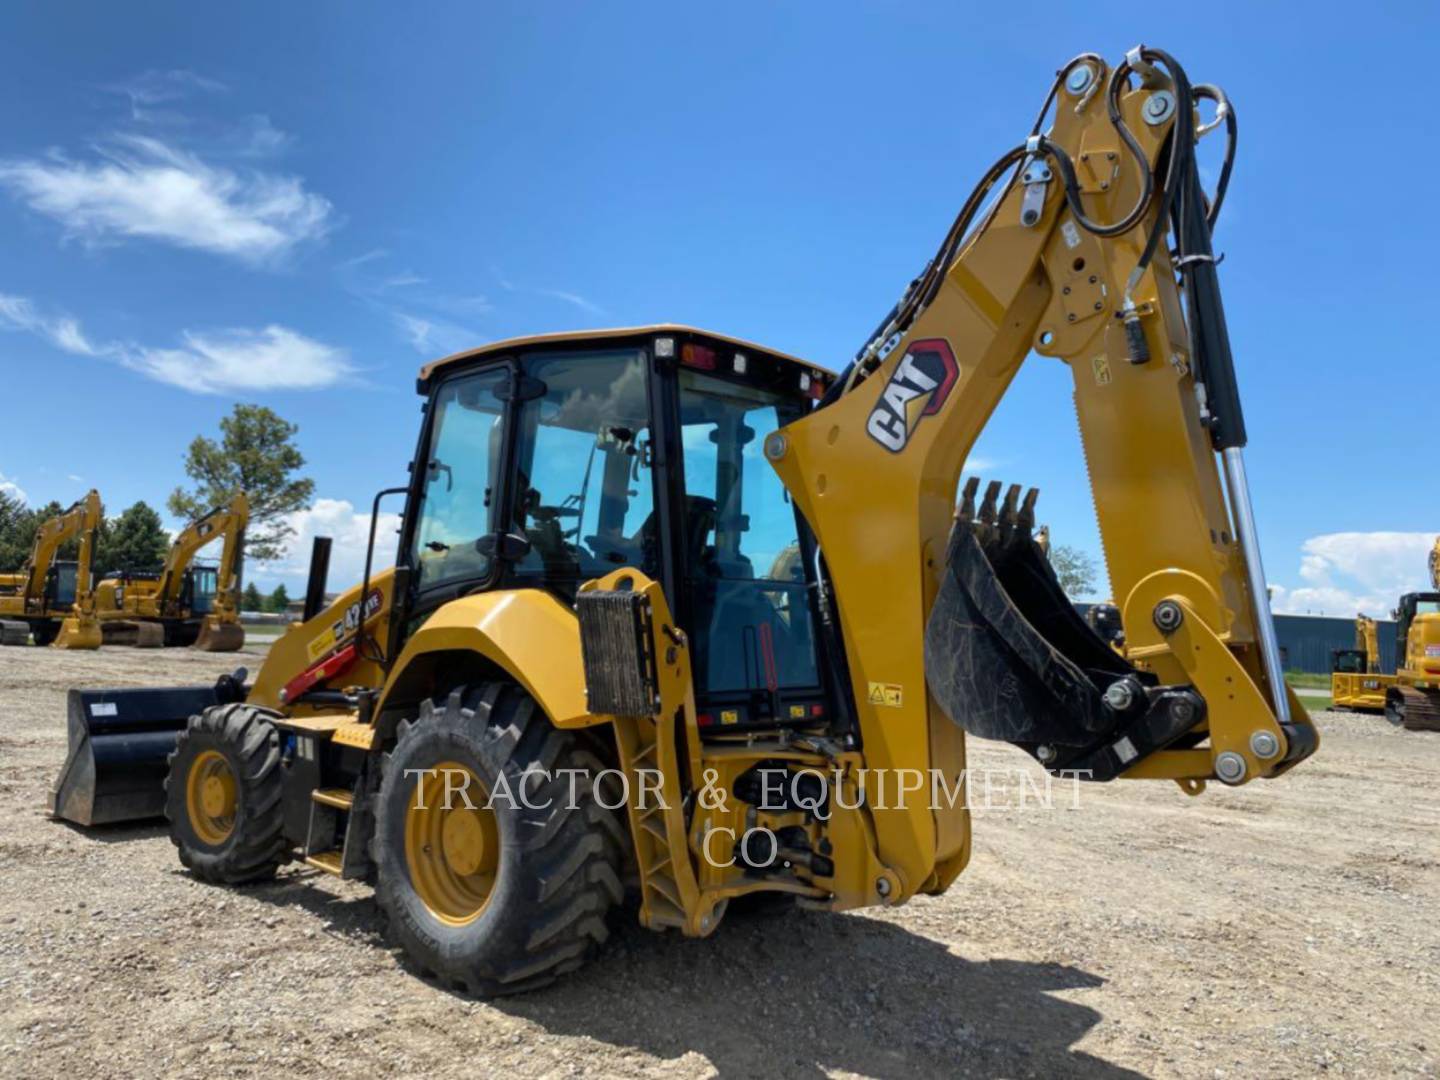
x=452 y=850
x=211 y=797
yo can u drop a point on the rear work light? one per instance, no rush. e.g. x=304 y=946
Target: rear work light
x=697 y=356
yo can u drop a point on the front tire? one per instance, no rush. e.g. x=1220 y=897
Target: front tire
x=496 y=897
x=223 y=797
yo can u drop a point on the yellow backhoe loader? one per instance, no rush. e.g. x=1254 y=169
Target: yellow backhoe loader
x=1355 y=678
x=1414 y=699
x=580 y=675
x=186 y=603
x=51 y=600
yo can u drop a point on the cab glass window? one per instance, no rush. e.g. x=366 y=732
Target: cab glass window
x=585 y=497
x=460 y=474
x=742 y=565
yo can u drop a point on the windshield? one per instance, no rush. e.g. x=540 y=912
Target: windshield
x=743 y=570
x=458 y=486
x=203 y=585
x=585 y=497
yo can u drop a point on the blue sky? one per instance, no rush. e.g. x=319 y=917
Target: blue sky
x=298 y=204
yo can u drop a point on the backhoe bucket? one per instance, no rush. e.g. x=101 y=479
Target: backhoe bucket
x=1008 y=657
x=120 y=744
x=79 y=633
x=220 y=637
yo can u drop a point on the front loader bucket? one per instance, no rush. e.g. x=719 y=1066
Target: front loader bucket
x=120 y=743
x=1008 y=657
x=220 y=637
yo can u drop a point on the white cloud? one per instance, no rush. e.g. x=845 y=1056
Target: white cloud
x=275 y=358
x=62 y=331
x=11 y=488
x=575 y=299
x=159 y=87
x=337 y=519
x=1351 y=572
x=141 y=187
x=432 y=337
x=211 y=362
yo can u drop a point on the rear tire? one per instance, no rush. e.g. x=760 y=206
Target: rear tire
x=535 y=905
x=223 y=797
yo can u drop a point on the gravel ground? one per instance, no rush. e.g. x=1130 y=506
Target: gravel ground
x=1277 y=930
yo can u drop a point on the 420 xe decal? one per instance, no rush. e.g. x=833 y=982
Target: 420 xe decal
x=918 y=388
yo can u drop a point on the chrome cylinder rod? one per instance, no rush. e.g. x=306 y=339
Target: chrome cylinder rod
x=1244 y=516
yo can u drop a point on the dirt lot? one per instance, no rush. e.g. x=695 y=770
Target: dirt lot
x=1277 y=930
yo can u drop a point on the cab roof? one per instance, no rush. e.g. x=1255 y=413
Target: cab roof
x=583 y=337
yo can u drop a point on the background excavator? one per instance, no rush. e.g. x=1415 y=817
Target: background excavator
x=50 y=599
x=1413 y=700
x=1356 y=681
x=579 y=674
x=186 y=603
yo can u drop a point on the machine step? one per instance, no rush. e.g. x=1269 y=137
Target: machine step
x=336 y=797
x=332 y=862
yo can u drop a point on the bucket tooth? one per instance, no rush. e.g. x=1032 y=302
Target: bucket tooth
x=987 y=508
x=967 y=499
x=1010 y=508
x=1027 y=510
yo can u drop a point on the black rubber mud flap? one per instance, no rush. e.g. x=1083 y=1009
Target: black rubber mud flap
x=1008 y=657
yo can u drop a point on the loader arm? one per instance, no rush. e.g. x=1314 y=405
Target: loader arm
x=228 y=522
x=875 y=471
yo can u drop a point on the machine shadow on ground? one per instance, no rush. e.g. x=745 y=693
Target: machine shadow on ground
x=801 y=994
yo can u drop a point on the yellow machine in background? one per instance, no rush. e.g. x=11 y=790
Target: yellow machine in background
x=1355 y=678
x=51 y=600
x=185 y=603
x=595 y=629
x=1414 y=699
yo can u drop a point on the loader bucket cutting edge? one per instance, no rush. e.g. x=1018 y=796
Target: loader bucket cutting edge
x=120 y=743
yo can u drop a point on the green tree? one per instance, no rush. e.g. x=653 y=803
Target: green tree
x=136 y=540
x=1074 y=569
x=251 y=600
x=256 y=454
x=279 y=600
x=15 y=527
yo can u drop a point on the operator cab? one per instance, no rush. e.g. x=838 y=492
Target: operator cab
x=1413 y=605
x=1349 y=662
x=197 y=592
x=60 y=584
x=546 y=462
